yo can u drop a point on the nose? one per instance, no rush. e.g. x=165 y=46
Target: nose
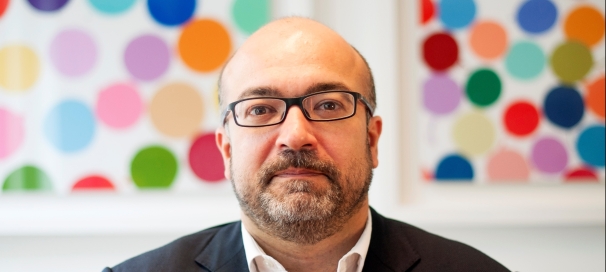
x=296 y=132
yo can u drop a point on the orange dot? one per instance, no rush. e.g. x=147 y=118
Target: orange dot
x=585 y=24
x=204 y=45
x=488 y=40
x=595 y=96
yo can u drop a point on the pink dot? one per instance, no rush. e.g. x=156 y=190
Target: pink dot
x=147 y=57
x=119 y=105
x=205 y=159
x=73 y=52
x=549 y=155
x=507 y=165
x=11 y=133
x=94 y=182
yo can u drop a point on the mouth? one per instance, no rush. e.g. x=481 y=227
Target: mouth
x=297 y=173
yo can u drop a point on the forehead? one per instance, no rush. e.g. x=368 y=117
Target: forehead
x=293 y=60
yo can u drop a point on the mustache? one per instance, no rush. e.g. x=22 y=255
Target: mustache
x=305 y=159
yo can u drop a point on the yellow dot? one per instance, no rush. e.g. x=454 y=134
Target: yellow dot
x=19 y=67
x=473 y=134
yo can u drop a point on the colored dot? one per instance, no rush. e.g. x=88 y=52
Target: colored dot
x=19 y=67
x=27 y=178
x=571 y=61
x=205 y=158
x=473 y=133
x=564 y=107
x=428 y=11
x=525 y=60
x=454 y=168
x=73 y=52
x=112 y=6
x=153 y=167
x=590 y=145
x=488 y=40
x=204 y=45
x=521 y=118
x=595 y=96
x=537 y=16
x=12 y=132
x=94 y=182
x=119 y=105
x=549 y=155
x=177 y=110
x=171 y=13
x=440 y=51
x=483 y=87
x=3 y=6
x=47 y=5
x=441 y=95
x=456 y=14
x=581 y=174
x=70 y=126
x=585 y=24
x=507 y=165
x=250 y=15
x=147 y=57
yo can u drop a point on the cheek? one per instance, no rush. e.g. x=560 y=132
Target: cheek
x=248 y=154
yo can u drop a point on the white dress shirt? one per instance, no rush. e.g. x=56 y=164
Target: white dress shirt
x=352 y=261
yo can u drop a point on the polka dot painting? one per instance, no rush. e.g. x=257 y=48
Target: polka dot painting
x=130 y=98
x=511 y=91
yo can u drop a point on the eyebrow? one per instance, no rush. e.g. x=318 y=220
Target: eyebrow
x=272 y=91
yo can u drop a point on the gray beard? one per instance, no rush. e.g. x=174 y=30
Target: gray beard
x=303 y=215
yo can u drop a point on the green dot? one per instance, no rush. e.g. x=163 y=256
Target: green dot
x=525 y=60
x=250 y=15
x=483 y=87
x=27 y=178
x=153 y=167
x=571 y=61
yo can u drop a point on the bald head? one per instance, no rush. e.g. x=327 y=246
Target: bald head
x=293 y=47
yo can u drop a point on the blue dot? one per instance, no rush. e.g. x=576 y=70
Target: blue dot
x=70 y=126
x=590 y=145
x=173 y=12
x=112 y=6
x=537 y=16
x=454 y=168
x=457 y=13
x=564 y=106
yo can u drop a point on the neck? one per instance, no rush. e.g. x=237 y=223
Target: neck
x=322 y=256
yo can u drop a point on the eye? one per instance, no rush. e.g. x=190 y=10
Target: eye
x=328 y=105
x=260 y=110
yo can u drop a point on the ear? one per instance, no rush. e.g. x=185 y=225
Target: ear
x=375 y=126
x=224 y=145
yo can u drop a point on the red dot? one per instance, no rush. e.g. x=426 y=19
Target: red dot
x=440 y=51
x=428 y=9
x=3 y=5
x=205 y=159
x=93 y=182
x=521 y=118
x=580 y=174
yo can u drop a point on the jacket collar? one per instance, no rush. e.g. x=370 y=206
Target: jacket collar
x=389 y=248
x=225 y=252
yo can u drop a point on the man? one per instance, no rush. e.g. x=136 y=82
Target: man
x=299 y=142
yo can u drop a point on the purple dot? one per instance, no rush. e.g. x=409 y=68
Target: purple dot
x=73 y=52
x=147 y=57
x=47 y=5
x=441 y=95
x=549 y=155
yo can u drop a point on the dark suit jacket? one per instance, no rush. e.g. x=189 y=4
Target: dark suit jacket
x=394 y=246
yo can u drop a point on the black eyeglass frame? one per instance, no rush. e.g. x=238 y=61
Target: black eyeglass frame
x=299 y=102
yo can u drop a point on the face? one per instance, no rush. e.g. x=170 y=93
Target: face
x=299 y=180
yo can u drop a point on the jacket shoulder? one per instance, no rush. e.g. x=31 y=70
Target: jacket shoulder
x=178 y=255
x=441 y=254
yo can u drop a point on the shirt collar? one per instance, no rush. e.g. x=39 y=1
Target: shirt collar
x=352 y=261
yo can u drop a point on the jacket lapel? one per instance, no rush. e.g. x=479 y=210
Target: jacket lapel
x=389 y=250
x=225 y=252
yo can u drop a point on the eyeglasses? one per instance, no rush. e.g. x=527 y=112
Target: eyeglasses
x=320 y=106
